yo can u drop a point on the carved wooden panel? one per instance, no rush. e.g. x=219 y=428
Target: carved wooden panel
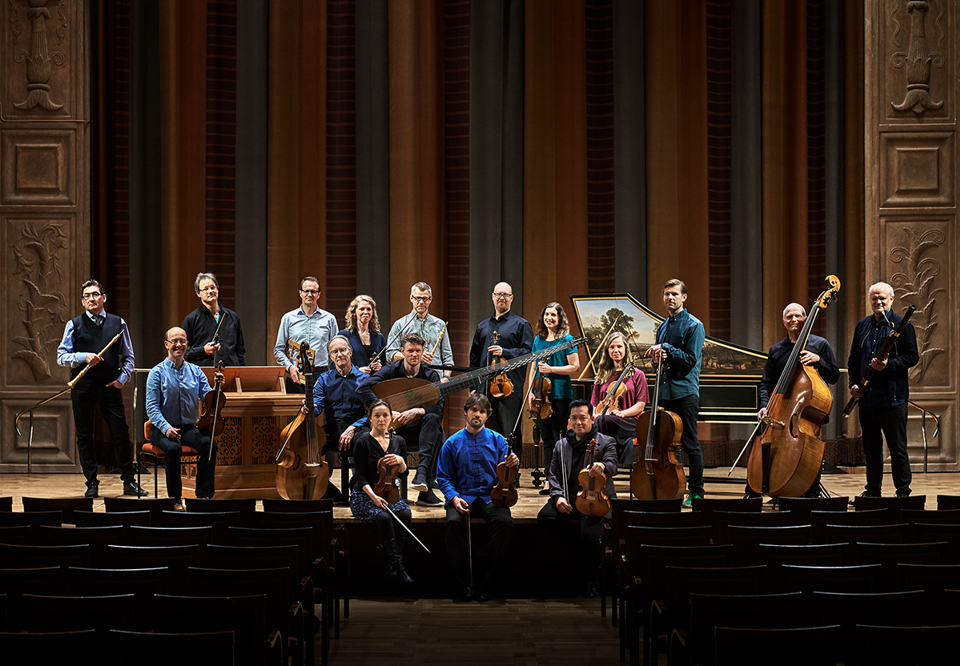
x=939 y=450
x=916 y=40
x=917 y=169
x=39 y=167
x=230 y=442
x=42 y=46
x=53 y=445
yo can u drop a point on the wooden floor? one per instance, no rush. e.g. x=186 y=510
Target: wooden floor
x=72 y=485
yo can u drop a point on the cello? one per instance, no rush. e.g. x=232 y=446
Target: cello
x=659 y=475
x=787 y=461
x=301 y=472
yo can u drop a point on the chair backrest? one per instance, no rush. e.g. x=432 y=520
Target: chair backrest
x=176 y=558
x=858 y=578
x=243 y=505
x=872 y=533
x=62 y=613
x=66 y=505
x=6 y=503
x=618 y=506
x=683 y=581
x=13 y=556
x=668 y=536
x=742 y=611
x=631 y=518
x=801 y=507
x=904 y=645
x=933 y=578
x=944 y=516
x=17 y=534
x=16 y=582
x=155 y=505
x=142 y=583
x=302 y=536
x=67 y=647
x=282 y=505
x=810 y=555
x=650 y=563
x=96 y=537
x=272 y=582
x=947 y=502
x=257 y=557
x=321 y=522
x=723 y=519
x=209 y=648
x=820 y=519
x=707 y=505
x=124 y=518
x=892 y=554
x=32 y=518
x=170 y=536
x=746 y=540
x=218 y=521
x=801 y=646
x=849 y=609
x=950 y=533
x=894 y=504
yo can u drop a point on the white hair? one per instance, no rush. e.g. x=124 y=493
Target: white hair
x=882 y=285
x=790 y=305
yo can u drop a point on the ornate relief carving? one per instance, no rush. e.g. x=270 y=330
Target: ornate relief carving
x=230 y=442
x=918 y=60
x=915 y=284
x=38 y=265
x=38 y=59
x=264 y=439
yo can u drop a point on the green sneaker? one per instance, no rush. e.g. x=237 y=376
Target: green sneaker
x=688 y=500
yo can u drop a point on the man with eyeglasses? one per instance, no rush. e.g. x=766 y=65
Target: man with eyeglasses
x=514 y=337
x=309 y=324
x=344 y=415
x=209 y=319
x=175 y=389
x=421 y=321
x=83 y=339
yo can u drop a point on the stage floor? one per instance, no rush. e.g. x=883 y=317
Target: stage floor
x=71 y=485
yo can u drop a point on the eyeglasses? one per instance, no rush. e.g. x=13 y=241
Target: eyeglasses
x=209 y=289
x=91 y=297
x=310 y=292
x=422 y=299
x=340 y=351
x=499 y=294
x=179 y=341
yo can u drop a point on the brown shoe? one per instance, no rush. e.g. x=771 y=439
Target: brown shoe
x=178 y=507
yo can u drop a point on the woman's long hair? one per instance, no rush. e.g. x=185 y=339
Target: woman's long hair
x=607 y=366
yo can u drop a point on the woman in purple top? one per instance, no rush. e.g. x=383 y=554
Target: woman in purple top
x=620 y=419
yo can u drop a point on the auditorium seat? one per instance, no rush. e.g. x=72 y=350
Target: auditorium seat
x=96 y=537
x=219 y=521
x=207 y=648
x=32 y=518
x=948 y=502
x=42 y=613
x=889 y=644
x=811 y=555
x=802 y=506
x=799 y=646
x=894 y=504
x=123 y=518
x=849 y=609
x=13 y=556
x=6 y=503
x=66 y=505
x=858 y=578
x=155 y=505
x=721 y=520
x=77 y=648
x=142 y=583
x=746 y=540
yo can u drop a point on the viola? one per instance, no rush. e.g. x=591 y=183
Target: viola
x=540 y=390
x=790 y=453
x=504 y=493
x=500 y=385
x=387 y=487
x=591 y=500
x=301 y=471
x=659 y=475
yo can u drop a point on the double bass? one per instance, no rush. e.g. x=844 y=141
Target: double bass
x=301 y=471
x=659 y=475
x=787 y=461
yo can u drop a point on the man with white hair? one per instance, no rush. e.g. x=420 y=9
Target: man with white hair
x=883 y=409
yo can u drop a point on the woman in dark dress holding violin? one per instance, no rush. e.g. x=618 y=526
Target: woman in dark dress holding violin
x=363 y=332
x=375 y=451
x=553 y=329
x=617 y=416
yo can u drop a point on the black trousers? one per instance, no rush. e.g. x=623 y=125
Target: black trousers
x=85 y=396
x=455 y=536
x=427 y=434
x=623 y=430
x=587 y=554
x=891 y=423
x=172 y=449
x=504 y=416
x=687 y=408
x=388 y=529
x=553 y=428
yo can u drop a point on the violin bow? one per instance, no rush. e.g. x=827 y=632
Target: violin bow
x=469 y=547
x=216 y=408
x=404 y=526
x=398 y=336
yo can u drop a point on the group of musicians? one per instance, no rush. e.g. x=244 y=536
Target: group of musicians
x=352 y=361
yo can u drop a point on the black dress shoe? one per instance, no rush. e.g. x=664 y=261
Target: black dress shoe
x=93 y=490
x=429 y=499
x=853 y=502
x=133 y=488
x=465 y=592
x=483 y=596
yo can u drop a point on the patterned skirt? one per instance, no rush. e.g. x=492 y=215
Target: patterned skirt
x=364 y=509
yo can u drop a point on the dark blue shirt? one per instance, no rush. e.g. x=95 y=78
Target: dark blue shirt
x=516 y=339
x=467 y=467
x=777 y=361
x=889 y=387
x=337 y=397
x=682 y=337
x=395 y=371
x=361 y=354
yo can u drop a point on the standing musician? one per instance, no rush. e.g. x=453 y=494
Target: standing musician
x=430 y=328
x=883 y=408
x=553 y=329
x=83 y=339
x=620 y=420
x=307 y=323
x=211 y=319
x=679 y=344
x=363 y=332
x=467 y=473
x=335 y=394
x=515 y=338
x=175 y=389
x=817 y=353
x=569 y=457
x=419 y=425
x=370 y=449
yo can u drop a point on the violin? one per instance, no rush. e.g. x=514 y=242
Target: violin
x=500 y=385
x=540 y=389
x=790 y=453
x=211 y=410
x=659 y=475
x=301 y=472
x=617 y=391
x=504 y=493
x=591 y=500
x=387 y=486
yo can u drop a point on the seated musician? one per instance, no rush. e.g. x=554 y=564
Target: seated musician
x=419 y=426
x=369 y=450
x=335 y=394
x=620 y=419
x=363 y=332
x=569 y=458
x=816 y=353
x=175 y=388
x=467 y=472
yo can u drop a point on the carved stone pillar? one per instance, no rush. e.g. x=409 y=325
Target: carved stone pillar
x=911 y=98
x=44 y=218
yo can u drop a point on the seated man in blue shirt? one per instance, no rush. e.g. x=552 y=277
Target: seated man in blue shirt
x=335 y=394
x=175 y=389
x=467 y=472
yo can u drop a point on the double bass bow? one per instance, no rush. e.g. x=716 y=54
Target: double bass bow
x=659 y=475
x=787 y=461
x=301 y=471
